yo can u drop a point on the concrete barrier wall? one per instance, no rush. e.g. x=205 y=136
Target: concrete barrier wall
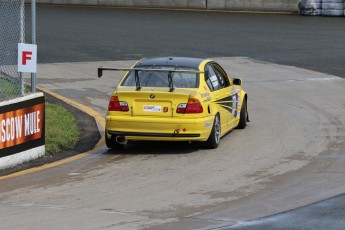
x=196 y=4
x=191 y=4
x=253 y=5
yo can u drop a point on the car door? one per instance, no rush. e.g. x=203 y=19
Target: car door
x=232 y=100
x=219 y=85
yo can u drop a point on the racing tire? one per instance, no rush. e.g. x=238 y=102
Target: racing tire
x=334 y=13
x=112 y=144
x=310 y=12
x=332 y=6
x=214 y=138
x=243 y=116
x=303 y=2
x=309 y=5
x=332 y=1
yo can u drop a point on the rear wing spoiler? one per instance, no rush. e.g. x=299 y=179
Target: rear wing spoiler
x=101 y=69
x=137 y=70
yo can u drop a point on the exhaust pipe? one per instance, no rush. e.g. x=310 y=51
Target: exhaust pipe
x=121 y=140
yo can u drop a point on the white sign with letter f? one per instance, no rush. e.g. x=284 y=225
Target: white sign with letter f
x=27 y=58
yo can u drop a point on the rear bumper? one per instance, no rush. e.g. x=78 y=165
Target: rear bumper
x=164 y=129
x=151 y=134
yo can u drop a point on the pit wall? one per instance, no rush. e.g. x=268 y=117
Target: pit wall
x=239 y=5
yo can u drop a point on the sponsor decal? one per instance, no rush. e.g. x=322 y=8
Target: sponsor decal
x=152 y=108
x=207 y=94
x=233 y=102
x=206 y=100
x=238 y=101
x=123 y=104
x=207 y=124
x=21 y=126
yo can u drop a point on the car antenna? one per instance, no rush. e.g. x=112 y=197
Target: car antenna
x=137 y=81
x=170 y=78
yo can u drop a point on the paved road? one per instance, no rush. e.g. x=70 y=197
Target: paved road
x=328 y=214
x=67 y=34
x=290 y=155
x=286 y=165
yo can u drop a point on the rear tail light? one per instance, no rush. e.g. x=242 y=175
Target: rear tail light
x=116 y=105
x=193 y=106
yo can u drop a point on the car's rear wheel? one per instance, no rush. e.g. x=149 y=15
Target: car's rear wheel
x=243 y=116
x=214 y=138
x=111 y=142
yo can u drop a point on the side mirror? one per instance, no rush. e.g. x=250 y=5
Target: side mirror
x=237 y=81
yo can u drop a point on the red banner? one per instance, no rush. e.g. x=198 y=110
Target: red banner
x=22 y=125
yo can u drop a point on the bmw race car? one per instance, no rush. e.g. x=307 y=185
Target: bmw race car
x=174 y=99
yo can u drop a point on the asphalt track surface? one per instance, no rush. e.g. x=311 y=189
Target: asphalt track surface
x=312 y=43
x=328 y=214
x=70 y=34
x=289 y=156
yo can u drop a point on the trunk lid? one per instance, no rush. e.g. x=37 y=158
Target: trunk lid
x=154 y=103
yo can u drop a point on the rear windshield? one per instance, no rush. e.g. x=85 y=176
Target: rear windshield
x=160 y=79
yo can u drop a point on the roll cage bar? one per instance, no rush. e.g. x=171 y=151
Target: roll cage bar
x=137 y=70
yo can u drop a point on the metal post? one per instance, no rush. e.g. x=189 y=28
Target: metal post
x=22 y=29
x=33 y=34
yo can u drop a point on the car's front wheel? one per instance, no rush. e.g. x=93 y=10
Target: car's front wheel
x=214 y=138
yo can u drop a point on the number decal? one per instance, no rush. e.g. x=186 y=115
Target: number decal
x=234 y=104
x=236 y=101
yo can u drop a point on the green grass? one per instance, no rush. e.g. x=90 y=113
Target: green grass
x=62 y=132
x=8 y=89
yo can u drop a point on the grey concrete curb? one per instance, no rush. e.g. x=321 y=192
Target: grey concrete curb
x=241 y=5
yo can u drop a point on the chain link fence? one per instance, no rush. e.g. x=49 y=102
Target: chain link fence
x=12 y=28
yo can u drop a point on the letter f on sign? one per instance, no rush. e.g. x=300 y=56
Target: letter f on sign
x=27 y=58
x=26 y=55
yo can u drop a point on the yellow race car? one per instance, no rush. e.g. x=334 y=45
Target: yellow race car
x=174 y=99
